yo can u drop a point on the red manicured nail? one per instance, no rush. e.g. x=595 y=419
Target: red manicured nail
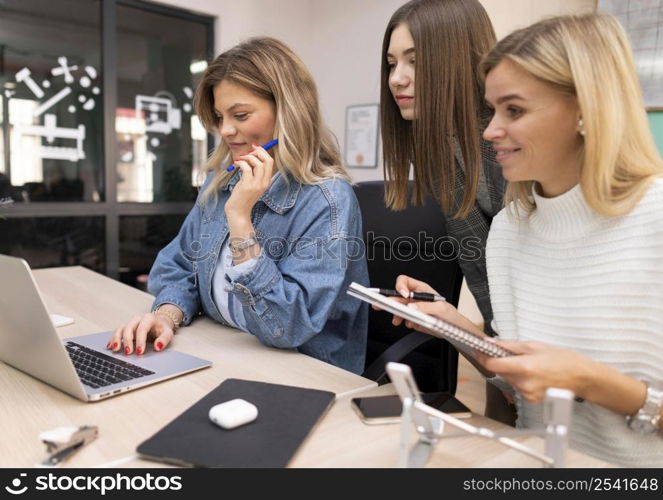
x=114 y=345
x=108 y=346
x=139 y=350
x=159 y=346
x=127 y=350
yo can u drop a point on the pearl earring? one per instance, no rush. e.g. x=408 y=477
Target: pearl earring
x=581 y=124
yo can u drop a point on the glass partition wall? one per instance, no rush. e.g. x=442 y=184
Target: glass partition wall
x=100 y=148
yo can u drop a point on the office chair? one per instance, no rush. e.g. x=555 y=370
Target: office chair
x=413 y=241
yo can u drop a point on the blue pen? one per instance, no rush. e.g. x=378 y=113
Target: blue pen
x=266 y=147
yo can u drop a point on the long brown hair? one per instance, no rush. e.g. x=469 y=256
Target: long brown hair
x=450 y=38
x=307 y=149
x=589 y=57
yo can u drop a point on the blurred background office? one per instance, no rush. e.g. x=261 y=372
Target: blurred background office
x=99 y=145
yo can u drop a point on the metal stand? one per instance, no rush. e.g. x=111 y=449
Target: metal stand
x=429 y=425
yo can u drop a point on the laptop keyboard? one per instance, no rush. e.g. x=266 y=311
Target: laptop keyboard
x=96 y=369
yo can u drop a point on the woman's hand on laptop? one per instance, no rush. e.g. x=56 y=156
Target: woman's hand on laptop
x=158 y=327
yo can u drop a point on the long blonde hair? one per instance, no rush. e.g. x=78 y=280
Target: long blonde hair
x=589 y=57
x=307 y=150
x=450 y=38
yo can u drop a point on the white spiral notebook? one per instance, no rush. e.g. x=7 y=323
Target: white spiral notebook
x=461 y=339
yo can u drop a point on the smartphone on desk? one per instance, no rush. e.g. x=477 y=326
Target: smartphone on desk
x=388 y=409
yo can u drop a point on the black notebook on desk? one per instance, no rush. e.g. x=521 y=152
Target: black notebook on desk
x=286 y=415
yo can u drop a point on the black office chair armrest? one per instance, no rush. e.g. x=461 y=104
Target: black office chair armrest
x=415 y=242
x=396 y=352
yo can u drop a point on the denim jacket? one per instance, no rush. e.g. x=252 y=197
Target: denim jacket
x=294 y=297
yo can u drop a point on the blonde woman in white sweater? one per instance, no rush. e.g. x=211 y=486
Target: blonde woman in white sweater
x=575 y=261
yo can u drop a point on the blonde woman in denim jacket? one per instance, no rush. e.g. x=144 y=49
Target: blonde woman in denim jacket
x=271 y=246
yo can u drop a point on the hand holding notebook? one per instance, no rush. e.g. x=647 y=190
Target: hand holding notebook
x=461 y=339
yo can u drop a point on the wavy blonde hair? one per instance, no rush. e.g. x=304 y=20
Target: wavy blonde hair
x=589 y=57
x=307 y=150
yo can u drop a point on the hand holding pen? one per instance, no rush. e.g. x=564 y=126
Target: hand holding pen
x=410 y=290
x=257 y=168
x=421 y=296
x=266 y=147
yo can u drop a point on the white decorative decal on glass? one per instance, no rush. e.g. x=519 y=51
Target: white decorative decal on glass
x=23 y=76
x=50 y=131
x=160 y=115
x=65 y=70
x=85 y=97
x=189 y=93
x=53 y=101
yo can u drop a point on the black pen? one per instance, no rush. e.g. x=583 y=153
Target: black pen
x=427 y=297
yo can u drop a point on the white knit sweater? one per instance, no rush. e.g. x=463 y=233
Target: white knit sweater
x=569 y=277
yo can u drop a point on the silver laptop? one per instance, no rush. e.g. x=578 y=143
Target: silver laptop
x=80 y=366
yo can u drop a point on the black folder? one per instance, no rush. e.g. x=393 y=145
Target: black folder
x=286 y=415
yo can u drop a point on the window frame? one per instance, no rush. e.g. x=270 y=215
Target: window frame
x=110 y=208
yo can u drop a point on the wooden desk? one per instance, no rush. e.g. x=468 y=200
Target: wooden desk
x=98 y=303
x=340 y=439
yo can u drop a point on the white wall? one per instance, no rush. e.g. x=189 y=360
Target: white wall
x=509 y=15
x=340 y=40
x=347 y=41
x=288 y=20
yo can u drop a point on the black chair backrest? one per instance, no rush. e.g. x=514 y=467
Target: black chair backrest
x=415 y=242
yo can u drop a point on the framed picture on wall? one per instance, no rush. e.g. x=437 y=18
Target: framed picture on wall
x=361 y=136
x=640 y=19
